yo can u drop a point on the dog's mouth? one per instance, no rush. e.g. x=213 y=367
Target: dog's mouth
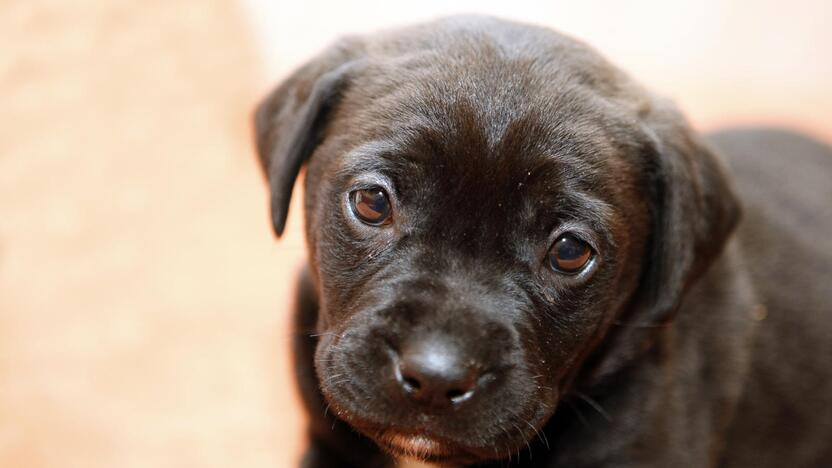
x=418 y=446
x=422 y=447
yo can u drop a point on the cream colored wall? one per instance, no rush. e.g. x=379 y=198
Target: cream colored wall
x=142 y=297
x=143 y=302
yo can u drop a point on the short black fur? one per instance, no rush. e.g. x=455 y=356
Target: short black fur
x=492 y=139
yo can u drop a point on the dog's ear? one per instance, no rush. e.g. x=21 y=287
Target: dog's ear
x=693 y=209
x=291 y=120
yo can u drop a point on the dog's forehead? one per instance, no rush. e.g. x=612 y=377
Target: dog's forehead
x=495 y=113
x=520 y=137
x=495 y=140
x=467 y=145
x=524 y=175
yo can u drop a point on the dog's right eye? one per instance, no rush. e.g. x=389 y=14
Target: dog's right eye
x=371 y=206
x=569 y=254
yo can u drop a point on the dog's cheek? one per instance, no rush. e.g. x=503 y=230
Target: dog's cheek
x=563 y=329
x=323 y=213
x=342 y=267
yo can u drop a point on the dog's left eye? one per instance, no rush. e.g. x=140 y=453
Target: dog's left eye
x=569 y=254
x=371 y=206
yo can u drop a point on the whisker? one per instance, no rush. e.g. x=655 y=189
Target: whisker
x=578 y=413
x=508 y=447
x=543 y=440
x=316 y=335
x=336 y=383
x=619 y=323
x=528 y=446
x=595 y=405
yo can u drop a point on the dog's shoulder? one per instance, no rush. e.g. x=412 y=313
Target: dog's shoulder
x=783 y=180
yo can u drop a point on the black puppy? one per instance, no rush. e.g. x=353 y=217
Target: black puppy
x=516 y=253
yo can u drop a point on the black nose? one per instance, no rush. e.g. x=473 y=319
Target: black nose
x=436 y=372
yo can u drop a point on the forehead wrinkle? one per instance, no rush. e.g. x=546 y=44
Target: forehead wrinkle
x=367 y=157
x=589 y=207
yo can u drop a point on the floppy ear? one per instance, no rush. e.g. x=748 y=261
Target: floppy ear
x=693 y=208
x=290 y=122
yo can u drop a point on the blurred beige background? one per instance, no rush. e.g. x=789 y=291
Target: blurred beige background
x=143 y=301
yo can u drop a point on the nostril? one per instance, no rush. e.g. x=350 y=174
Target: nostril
x=410 y=384
x=457 y=395
x=435 y=373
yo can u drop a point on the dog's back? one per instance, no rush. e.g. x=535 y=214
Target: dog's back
x=785 y=184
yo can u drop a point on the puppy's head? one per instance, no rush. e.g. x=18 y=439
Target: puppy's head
x=484 y=201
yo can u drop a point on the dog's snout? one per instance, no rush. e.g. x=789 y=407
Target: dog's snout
x=435 y=372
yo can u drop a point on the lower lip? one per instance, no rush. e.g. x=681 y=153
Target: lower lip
x=416 y=446
x=405 y=463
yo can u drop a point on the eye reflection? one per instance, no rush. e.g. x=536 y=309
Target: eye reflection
x=371 y=205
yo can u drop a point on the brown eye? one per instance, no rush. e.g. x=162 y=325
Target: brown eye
x=371 y=205
x=569 y=254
